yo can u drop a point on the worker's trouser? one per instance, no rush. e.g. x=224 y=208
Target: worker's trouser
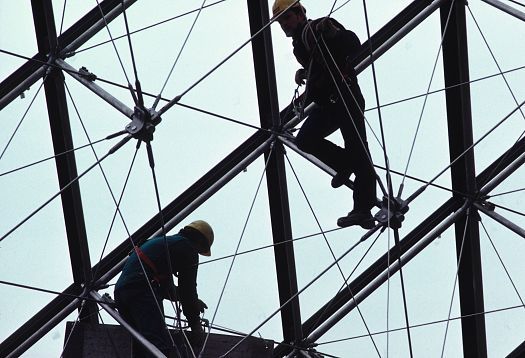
x=140 y=308
x=354 y=157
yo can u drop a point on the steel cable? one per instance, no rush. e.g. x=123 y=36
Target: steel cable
x=237 y=249
x=331 y=250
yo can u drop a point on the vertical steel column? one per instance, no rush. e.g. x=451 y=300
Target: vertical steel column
x=456 y=70
x=62 y=141
x=275 y=174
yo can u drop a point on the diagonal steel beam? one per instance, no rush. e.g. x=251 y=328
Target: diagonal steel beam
x=41 y=323
x=192 y=197
x=99 y=91
x=386 y=274
x=386 y=37
x=151 y=348
x=502 y=220
x=506 y=8
x=518 y=352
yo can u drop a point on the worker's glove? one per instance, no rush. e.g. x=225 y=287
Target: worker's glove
x=202 y=305
x=327 y=28
x=300 y=76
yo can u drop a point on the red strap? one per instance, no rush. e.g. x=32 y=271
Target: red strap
x=144 y=258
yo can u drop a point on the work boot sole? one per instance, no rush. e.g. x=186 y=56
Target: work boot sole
x=365 y=224
x=339 y=180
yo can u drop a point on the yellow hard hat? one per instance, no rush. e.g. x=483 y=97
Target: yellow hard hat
x=205 y=229
x=281 y=5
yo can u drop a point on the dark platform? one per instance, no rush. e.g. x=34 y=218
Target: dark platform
x=112 y=341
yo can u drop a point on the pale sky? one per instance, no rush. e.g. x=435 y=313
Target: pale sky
x=187 y=144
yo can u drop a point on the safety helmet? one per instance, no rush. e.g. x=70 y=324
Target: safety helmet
x=281 y=5
x=205 y=229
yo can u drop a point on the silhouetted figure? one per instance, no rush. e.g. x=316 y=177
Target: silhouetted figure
x=325 y=50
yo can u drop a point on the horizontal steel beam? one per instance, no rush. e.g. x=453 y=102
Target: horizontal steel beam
x=519 y=352
x=501 y=163
x=13 y=91
x=504 y=174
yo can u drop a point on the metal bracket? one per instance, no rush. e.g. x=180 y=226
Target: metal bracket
x=143 y=124
x=487 y=205
x=392 y=212
x=83 y=71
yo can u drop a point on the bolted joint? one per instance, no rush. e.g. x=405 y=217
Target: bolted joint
x=84 y=72
x=392 y=212
x=143 y=124
x=487 y=205
x=51 y=70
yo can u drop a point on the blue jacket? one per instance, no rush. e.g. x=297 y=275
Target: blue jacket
x=184 y=263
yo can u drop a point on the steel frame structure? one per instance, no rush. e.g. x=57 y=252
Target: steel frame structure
x=50 y=59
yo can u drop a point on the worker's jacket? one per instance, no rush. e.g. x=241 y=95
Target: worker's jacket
x=328 y=63
x=184 y=262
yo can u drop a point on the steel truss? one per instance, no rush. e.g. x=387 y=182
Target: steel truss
x=51 y=62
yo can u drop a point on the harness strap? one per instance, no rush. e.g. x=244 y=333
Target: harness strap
x=157 y=277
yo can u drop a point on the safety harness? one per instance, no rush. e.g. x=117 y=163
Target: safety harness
x=157 y=277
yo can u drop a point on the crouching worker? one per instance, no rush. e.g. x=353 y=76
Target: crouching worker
x=140 y=289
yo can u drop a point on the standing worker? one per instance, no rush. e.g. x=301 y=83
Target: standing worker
x=139 y=297
x=325 y=50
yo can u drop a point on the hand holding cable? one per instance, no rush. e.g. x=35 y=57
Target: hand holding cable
x=202 y=306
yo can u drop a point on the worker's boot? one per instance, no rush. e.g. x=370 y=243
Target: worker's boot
x=362 y=218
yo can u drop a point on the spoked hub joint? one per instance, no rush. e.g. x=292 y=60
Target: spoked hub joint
x=143 y=123
x=392 y=212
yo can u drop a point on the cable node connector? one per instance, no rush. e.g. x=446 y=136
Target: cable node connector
x=143 y=123
x=392 y=212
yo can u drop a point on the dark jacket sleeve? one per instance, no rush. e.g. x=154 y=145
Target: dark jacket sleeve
x=188 y=287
